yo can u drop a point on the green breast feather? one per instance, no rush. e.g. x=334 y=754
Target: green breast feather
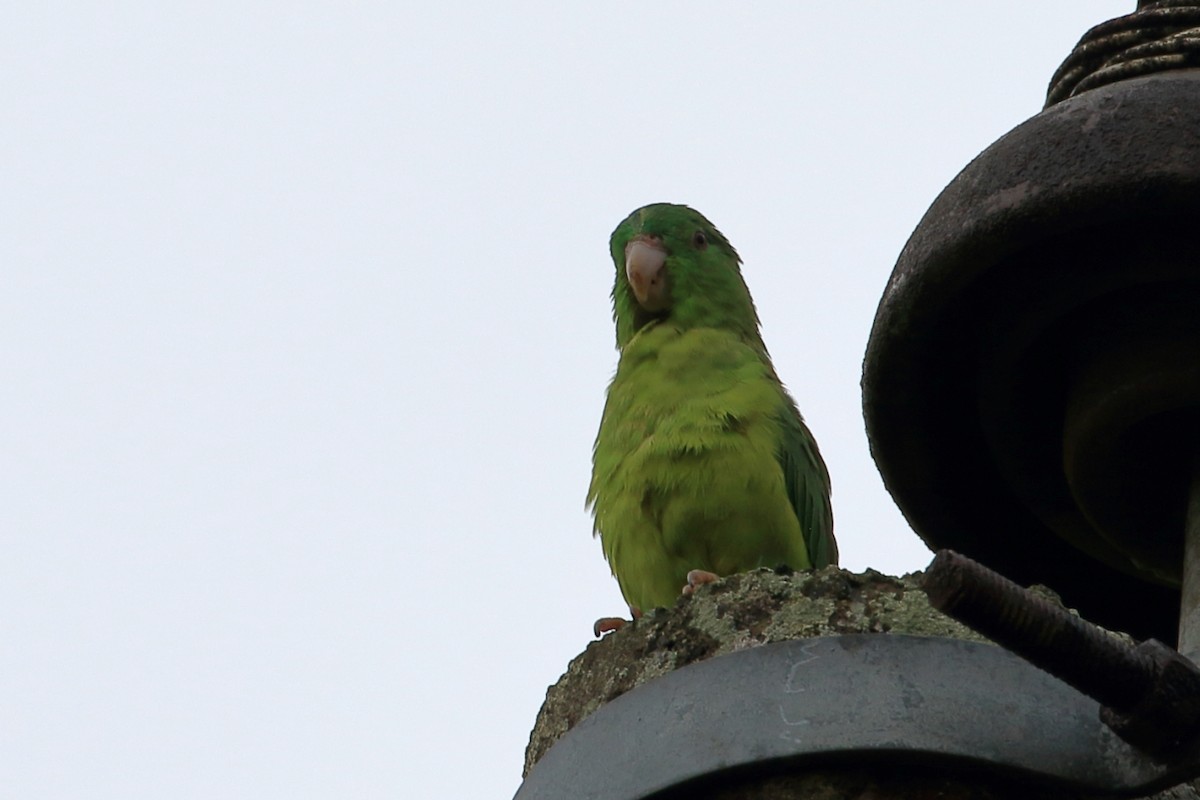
x=702 y=460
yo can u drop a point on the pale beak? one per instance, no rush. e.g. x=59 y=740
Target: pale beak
x=645 y=258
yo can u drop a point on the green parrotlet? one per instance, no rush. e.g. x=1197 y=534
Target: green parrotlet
x=703 y=466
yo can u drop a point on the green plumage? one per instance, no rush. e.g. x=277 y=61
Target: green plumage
x=702 y=460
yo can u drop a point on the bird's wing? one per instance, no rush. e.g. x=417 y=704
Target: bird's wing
x=807 y=482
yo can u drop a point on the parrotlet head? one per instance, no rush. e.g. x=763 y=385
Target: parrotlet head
x=673 y=265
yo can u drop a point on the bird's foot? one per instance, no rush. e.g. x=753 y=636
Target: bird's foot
x=608 y=624
x=697 y=578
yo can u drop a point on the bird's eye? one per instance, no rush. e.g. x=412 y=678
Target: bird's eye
x=699 y=240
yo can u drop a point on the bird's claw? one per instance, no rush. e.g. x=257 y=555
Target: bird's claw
x=609 y=624
x=697 y=578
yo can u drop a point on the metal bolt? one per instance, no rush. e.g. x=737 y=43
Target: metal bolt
x=1149 y=694
x=1050 y=637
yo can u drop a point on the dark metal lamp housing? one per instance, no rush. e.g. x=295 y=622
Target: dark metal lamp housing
x=1032 y=381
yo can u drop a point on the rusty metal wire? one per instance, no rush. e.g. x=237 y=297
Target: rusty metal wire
x=1159 y=36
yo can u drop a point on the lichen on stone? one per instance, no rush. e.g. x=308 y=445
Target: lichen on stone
x=741 y=611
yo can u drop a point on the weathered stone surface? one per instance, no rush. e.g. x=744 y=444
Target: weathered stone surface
x=758 y=608
x=741 y=611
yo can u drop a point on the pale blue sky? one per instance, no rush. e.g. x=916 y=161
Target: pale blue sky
x=304 y=330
